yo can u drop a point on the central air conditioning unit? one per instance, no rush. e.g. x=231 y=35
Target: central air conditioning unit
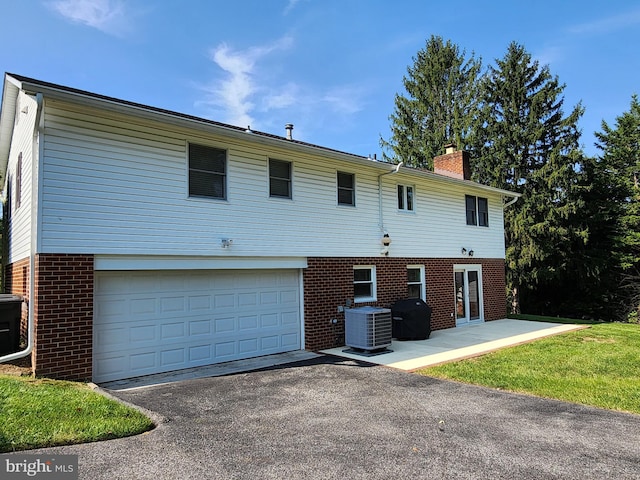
x=368 y=328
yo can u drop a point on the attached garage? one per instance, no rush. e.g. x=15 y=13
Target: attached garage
x=149 y=322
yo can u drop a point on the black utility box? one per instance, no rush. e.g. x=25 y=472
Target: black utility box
x=411 y=319
x=10 y=313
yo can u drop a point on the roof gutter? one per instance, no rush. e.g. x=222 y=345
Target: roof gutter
x=35 y=169
x=189 y=121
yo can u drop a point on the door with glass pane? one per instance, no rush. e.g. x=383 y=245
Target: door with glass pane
x=468 y=294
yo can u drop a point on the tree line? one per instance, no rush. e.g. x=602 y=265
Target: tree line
x=573 y=239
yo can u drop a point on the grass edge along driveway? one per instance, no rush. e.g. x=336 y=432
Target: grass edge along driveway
x=39 y=412
x=598 y=366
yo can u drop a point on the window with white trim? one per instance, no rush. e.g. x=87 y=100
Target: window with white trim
x=207 y=172
x=406 y=197
x=477 y=210
x=346 y=189
x=364 y=284
x=279 y=178
x=19 y=181
x=416 y=282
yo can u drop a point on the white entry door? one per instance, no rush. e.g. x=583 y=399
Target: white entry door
x=157 y=321
x=468 y=294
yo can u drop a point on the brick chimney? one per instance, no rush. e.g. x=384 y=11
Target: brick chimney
x=454 y=163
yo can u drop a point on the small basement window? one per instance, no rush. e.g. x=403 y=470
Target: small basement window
x=364 y=284
x=415 y=282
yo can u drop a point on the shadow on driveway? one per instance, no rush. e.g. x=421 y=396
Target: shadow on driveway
x=332 y=418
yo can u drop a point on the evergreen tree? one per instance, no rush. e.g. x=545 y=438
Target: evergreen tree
x=441 y=105
x=619 y=169
x=529 y=146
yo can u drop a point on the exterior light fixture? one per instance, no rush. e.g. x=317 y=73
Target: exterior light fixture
x=463 y=251
x=226 y=242
x=386 y=240
x=471 y=253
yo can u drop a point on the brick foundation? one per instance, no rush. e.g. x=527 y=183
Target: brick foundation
x=64 y=290
x=64 y=316
x=328 y=283
x=17 y=283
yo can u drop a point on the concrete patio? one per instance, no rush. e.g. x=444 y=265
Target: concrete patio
x=458 y=343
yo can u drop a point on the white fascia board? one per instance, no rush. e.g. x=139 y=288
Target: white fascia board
x=154 y=262
x=10 y=91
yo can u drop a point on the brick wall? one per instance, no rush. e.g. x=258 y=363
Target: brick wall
x=17 y=283
x=328 y=283
x=494 y=289
x=63 y=316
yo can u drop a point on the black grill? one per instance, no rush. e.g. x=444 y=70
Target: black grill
x=411 y=319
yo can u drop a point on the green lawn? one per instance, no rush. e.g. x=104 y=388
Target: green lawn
x=598 y=366
x=42 y=413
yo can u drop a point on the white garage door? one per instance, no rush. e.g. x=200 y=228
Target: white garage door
x=158 y=321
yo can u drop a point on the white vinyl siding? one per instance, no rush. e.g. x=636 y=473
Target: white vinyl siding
x=119 y=185
x=20 y=196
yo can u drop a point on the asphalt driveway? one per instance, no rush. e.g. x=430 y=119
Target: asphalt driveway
x=332 y=418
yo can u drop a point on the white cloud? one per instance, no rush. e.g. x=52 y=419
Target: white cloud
x=346 y=99
x=109 y=16
x=549 y=55
x=290 y=6
x=234 y=94
x=287 y=96
x=256 y=88
x=608 y=24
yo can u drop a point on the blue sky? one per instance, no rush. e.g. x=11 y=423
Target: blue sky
x=330 y=67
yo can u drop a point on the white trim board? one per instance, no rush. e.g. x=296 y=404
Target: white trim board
x=160 y=262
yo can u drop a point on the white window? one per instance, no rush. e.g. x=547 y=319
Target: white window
x=207 y=172
x=346 y=189
x=416 y=282
x=19 y=181
x=477 y=210
x=364 y=284
x=279 y=178
x=406 y=198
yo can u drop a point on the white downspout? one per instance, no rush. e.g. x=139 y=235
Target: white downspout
x=35 y=170
x=511 y=202
x=381 y=220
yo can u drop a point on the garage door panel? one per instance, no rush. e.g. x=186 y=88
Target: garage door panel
x=290 y=340
x=160 y=321
x=290 y=318
x=199 y=352
x=224 y=325
x=173 y=305
x=248 y=323
x=199 y=327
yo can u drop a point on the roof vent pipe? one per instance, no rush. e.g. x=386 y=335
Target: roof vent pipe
x=289 y=128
